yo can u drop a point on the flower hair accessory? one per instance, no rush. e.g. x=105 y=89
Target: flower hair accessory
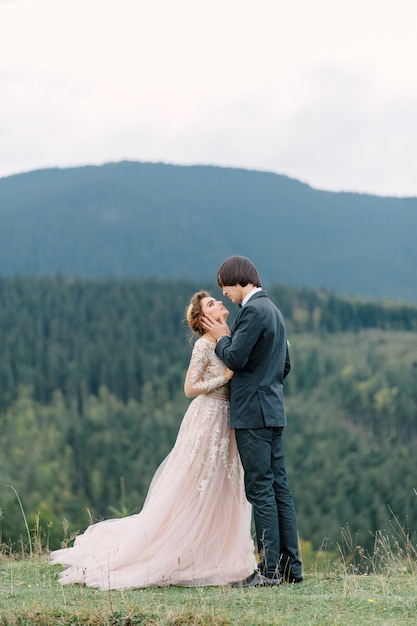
x=188 y=314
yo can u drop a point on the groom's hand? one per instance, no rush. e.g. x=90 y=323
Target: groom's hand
x=216 y=328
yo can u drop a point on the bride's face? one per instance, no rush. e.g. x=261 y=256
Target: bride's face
x=215 y=308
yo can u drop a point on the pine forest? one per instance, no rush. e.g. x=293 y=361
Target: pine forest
x=91 y=398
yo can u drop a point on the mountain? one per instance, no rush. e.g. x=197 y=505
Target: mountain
x=175 y=222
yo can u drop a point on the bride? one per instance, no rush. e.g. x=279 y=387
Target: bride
x=194 y=528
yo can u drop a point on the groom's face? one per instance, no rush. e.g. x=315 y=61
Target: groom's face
x=233 y=292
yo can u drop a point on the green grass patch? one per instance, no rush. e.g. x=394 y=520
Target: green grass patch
x=30 y=595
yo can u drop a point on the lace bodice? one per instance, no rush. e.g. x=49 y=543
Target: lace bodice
x=206 y=371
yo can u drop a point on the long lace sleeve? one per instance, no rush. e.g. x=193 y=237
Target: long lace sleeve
x=205 y=372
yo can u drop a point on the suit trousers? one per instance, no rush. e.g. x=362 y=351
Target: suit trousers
x=262 y=454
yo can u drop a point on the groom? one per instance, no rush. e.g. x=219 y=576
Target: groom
x=256 y=350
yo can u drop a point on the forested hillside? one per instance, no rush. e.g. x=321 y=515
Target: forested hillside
x=91 y=397
x=156 y=220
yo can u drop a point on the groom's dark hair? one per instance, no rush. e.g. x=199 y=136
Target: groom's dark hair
x=238 y=270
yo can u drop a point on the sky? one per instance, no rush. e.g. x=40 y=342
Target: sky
x=323 y=91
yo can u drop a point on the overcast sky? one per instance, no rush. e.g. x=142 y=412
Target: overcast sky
x=324 y=91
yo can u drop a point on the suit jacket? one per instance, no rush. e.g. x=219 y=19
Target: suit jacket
x=257 y=353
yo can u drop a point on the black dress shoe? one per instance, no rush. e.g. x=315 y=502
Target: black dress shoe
x=292 y=579
x=296 y=579
x=257 y=580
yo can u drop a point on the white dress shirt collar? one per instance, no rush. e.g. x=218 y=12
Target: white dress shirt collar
x=250 y=294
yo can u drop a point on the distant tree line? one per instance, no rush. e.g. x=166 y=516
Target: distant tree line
x=75 y=335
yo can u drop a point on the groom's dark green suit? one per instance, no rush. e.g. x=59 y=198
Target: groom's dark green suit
x=257 y=351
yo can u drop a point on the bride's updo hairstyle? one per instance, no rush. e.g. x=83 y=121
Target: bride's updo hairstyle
x=194 y=312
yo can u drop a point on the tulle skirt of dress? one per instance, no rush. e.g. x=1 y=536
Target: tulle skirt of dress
x=194 y=528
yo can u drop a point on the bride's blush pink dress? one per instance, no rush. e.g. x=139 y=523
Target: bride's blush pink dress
x=194 y=528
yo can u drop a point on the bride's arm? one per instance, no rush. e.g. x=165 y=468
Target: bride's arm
x=195 y=382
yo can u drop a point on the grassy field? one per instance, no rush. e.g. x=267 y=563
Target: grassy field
x=30 y=595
